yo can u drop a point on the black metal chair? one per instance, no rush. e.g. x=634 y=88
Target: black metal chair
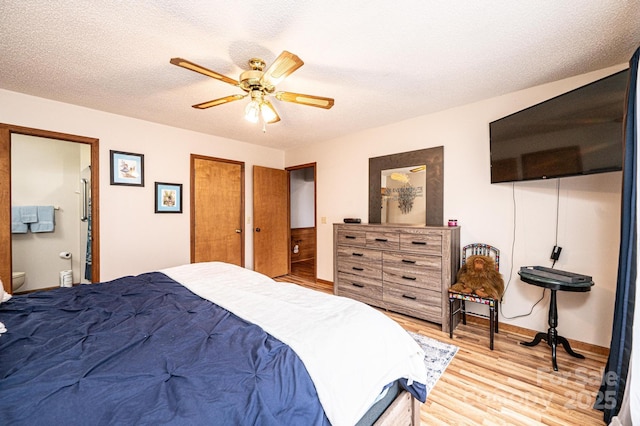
x=471 y=250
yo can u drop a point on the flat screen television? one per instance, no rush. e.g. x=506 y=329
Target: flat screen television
x=577 y=133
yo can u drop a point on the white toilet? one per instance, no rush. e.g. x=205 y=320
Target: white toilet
x=17 y=279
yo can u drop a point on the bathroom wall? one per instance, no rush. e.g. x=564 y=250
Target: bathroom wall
x=48 y=172
x=302 y=198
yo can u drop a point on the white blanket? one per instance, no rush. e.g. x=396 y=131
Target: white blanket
x=350 y=350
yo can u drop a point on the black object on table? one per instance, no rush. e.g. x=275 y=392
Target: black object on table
x=554 y=280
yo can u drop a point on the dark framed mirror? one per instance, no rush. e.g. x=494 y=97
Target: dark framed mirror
x=433 y=161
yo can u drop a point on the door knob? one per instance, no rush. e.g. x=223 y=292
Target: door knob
x=238 y=231
x=257 y=229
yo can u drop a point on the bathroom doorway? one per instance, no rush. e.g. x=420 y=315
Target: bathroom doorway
x=302 y=200
x=57 y=171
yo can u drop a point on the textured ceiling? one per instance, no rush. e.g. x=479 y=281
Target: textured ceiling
x=382 y=61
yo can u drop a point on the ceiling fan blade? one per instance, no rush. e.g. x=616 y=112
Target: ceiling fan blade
x=284 y=65
x=220 y=101
x=202 y=70
x=298 y=98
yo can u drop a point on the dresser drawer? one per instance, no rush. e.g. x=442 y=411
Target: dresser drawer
x=360 y=262
x=422 y=243
x=361 y=254
x=383 y=240
x=360 y=288
x=412 y=301
x=354 y=238
x=424 y=272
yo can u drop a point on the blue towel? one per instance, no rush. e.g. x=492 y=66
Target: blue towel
x=29 y=214
x=46 y=222
x=17 y=227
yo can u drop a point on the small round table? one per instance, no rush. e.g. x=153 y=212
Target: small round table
x=551 y=336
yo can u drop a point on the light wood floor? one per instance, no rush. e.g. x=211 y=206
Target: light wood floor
x=511 y=385
x=304 y=269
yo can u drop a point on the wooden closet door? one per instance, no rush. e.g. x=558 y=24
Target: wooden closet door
x=217 y=210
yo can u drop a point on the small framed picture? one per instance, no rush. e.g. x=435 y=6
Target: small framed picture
x=168 y=197
x=127 y=168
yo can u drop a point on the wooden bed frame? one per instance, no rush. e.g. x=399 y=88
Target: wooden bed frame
x=405 y=410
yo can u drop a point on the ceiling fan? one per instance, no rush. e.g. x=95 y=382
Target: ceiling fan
x=259 y=84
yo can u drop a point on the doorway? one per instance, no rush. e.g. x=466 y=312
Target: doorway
x=88 y=257
x=48 y=176
x=302 y=196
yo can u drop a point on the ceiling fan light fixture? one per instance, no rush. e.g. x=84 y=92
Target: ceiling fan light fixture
x=400 y=177
x=269 y=114
x=252 y=112
x=259 y=83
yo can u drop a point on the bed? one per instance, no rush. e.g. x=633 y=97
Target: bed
x=205 y=343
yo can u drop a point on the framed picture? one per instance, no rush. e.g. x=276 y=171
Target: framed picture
x=127 y=168
x=168 y=197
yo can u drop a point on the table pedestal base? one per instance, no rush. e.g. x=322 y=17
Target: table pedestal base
x=552 y=339
x=551 y=336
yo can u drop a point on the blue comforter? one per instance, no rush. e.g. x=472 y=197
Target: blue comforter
x=144 y=350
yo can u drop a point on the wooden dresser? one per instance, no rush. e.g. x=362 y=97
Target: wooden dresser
x=405 y=269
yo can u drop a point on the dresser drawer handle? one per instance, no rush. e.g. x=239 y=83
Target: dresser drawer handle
x=350 y=237
x=404 y=277
x=406 y=296
x=357 y=285
x=419 y=243
x=412 y=262
x=355 y=268
x=357 y=254
x=382 y=240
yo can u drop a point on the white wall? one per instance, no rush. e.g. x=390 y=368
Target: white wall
x=133 y=239
x=301 y=195
x=517 y=217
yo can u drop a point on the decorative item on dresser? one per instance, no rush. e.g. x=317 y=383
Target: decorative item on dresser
x=401 y=268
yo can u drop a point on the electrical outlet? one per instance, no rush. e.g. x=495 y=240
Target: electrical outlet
x=555 y=253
